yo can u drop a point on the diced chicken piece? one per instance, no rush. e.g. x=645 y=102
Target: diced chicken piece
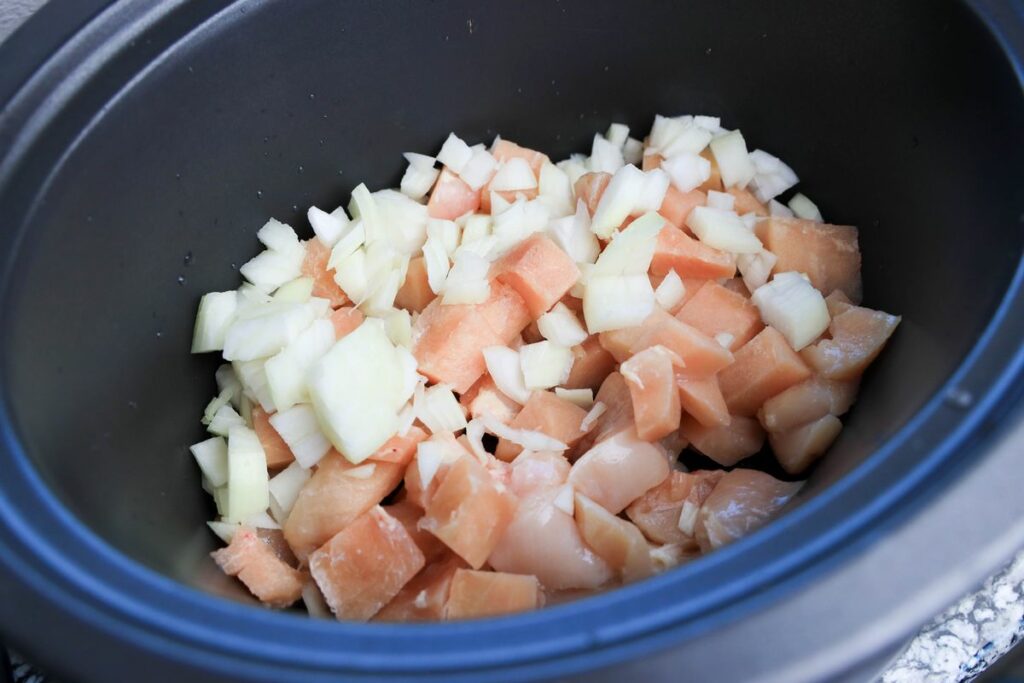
x=532 y=335
x=797 y=449
x=618 y=413
x=676 y=206
x=276 y=450
x=675 y=250
x=538 y=271
x=314 y=266
x=743 y=501
x=591 y=365
x=399 y=449
x=764 y=367
x=652 y=389
x=538 y=472
x=657 y=512
x=806 y=402
x=619 y=470
x=619 y=343
x=451 y=197
x=424 y=597
x=727 y=445
x=618 y=542
x=702 y=399
x=714 y=182
x=744 y=201
x=858 y=336
x=469 y=511
x=332 y=499
x=345 y=320
x=547 y=413
x=838 y=303
x=717 y=310
x=256 y=565
x=409 y=514
x=651 y=161
x=737 y=286
x=665 y=557
x=692 y=285
x=702 y=356
x=484 y=398
x=475 y=594
x=364 y=566
x=505 y=311
x=590 y=187
x=415 y=292
x=543 y=540
x=415 y=492
x=504 y=150
x=828 y=254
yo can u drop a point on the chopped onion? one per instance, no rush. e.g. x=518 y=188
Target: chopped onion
x=605 y=157
x=261 y=520
x=212 y=457
x=247 y=485
x=498 y=204
x=595 y=412
x=253 y=377
x=687 y=171
x=633 y=151
x=364 y=207
x=269 y=328
x=434 y=452
x=381 y=299
x=270 y=268
x=574 y=167
x=805 y=208
x=225 y=530
x=350 y=274
x=584 y=398
x=314 y=601
x=617 y=134
x=353 y=238
x=436 y=259
x=527 y=438
x=772 y=177
x=777 y=209
x=284 y=489
x=513 y=174
x=439 y=410
x=278 y=236
x=420 y=176
x=692 y=139
x=733 y=161
x=722 y=230
x=612 y=302
x=723 y=201
x=711 y=124
x=792 y=305
x=565 y=499
x=561 y=326
x=220 y=499
x=227 y=382
x=398 y=325
x=688 y=517
x=286 y=371
x=504 y=368
x=479 y=170
x=555 y=189
x=725 y=339
x=670 y=291
x=545 y=364
x=652 y=195
x=631 y=250
x=573 y=235
x=467 y=281
x=216 y=313
x=455 y=153
x=750 y=220
x=618 y=200
x=519 y=221
x=300 y=429
x=328 y=227
x=223 y=420
x=756 y=268
x=445 y=232
x=403 y=221
x=298 y=291
x=475 y=227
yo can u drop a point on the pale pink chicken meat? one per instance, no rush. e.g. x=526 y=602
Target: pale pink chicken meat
x=742 y=502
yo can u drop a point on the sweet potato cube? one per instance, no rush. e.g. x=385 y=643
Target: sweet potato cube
x=415 y=292
x=798 y=448
x=675 y=250
x=451 y=197
x=314 y=266
x=539 y=271
x=727 y=445
x=618 y=542
x=828 y=254
x=591 y=365
x=806 y=402
x=657 y=512
x=715 y=310
x=590 y=187
x=475 y=594
x=702 y=398
x=545 y=412
x=764 y=367
x=258 y=566
x=424 y=597
x=619 y=470
x=274 y=448
x=652 y=389
x=858 y=336
x=364 y=566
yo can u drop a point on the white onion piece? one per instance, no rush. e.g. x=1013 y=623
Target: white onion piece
x=772 y=177
x=499 y=204
x=792 y=305
x=253 y=376
x=278 y=236
x=271 y=268
x=670 y=291
x=216 y=403
x=216 y=313
x=381 y=300
x=353 y=238
x=398 y=325
x=514 y=174
x=269 y=328
x=223 y=420
x=631 y=250
x=561 y=326
x=439 y=410
x=286 y=371
x=227 y=382
x=220 y=499
x=479 y=170
x=297 y=291
x=722 y=230
x=527 y=438
x=584 y=398
x=261 y=520
x=328 y=227
x=756 y=268
x=475 y=227
x=420 y=175
x=733 y=161
x=612 y=302
x=225 y=531
x=618 y=200
x=778 y=209
x=436 y=259
x=633 y=151
x=617 y=134
x=574 y=236
x=364 y=207
x=691 y=139
x=573 y=167
x=712 y=124
x=445 y=232
x=284 y=490
x=555 y=188
x=545 y=364
x=605 y=157
x=595 y=412
x=504 y=368
x=688 y=517
x=664 y=130
x=475 y=436
x=723 y=201
x=750 y=220
x=403 y=221
x=652 y=195
x=565 y=499
x=247 y=485
x=687 y=171
x=805 y=208
x=467 y=281
x=455 y=153
x=212 y=457
x=725 y=339
x=351 y=275
x=299 y=428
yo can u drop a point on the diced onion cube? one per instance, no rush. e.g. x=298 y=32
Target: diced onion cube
x=476 y=227
x=284 y=490
x=565 y=499
x=670 y=291
x=605 y=157
x=419 y=177
x=270 y=269
x=725 y=339
x=652 y=195
x=286 y=371
x=445 y=232
x=514 y=174
x=691 y=140
x=216 y=313
x=574 y=167
x=455 y=153
x=527 y=438
x=723 y=201
x=467 y=281
x=479 y=170
x=590 y=419
x=439 y=410
x=504 y=368
x=253 y=376
x=269 y=328
x=687 y=171
x=434 y=452
x=756 y=268
x=328 y=227
x=247 y=486
x=617 y=134
x=633 y=151
x=354 y=237
x=398 y=325
x=223 y=420
x=298 y=291
x=278 y=236
x=618 y=201
x=630 y=251
x=545 y=364
x=612 y=302
x=212 y=457
x=299 y=428
x=573 y=235
x=403 y=221
x=792 y=305
x=364 y=207
x=561 y=326
x=730 y=151
x=436 y=259
x=722 y=230
x=772 y=176
x=584 y=398
x=805 y=208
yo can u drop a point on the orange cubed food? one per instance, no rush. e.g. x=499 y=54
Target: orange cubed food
x=484 y=398
x=727 y=445
x=764 y=367
x=590 y=187
x=744 y=201
x=652 y=389
x=675 y=250
x=798 y=448
x=545 y=412
x=274 y=448
x=858 y=336
x=806 y=402
x=503 y=150
x=345 y=320
x=400 y=448
x=677 y=205
x=475 y=594
x=333 y=498
x=424 y=597
x=702 y=398
x=451 y=197
x=415 y=293
x=743 y=501
x=618 y=412
x=409 y=514
x=701 y=355
x=591 y=365
x=263 y=572
x=469 y=511
x=657 y=513
x=538 y=271
x=619 y=470
x=364 y=566
x=715 y=310
x=828 y=254
x=314 y=266
x=618 y=542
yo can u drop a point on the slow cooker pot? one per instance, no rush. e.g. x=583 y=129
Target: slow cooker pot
x=143 y=143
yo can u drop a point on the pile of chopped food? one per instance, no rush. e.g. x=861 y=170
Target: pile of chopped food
x=468 y=397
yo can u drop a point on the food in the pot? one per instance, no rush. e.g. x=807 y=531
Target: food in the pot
x=468 y=397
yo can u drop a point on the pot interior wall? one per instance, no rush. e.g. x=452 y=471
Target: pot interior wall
x=901 y=118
